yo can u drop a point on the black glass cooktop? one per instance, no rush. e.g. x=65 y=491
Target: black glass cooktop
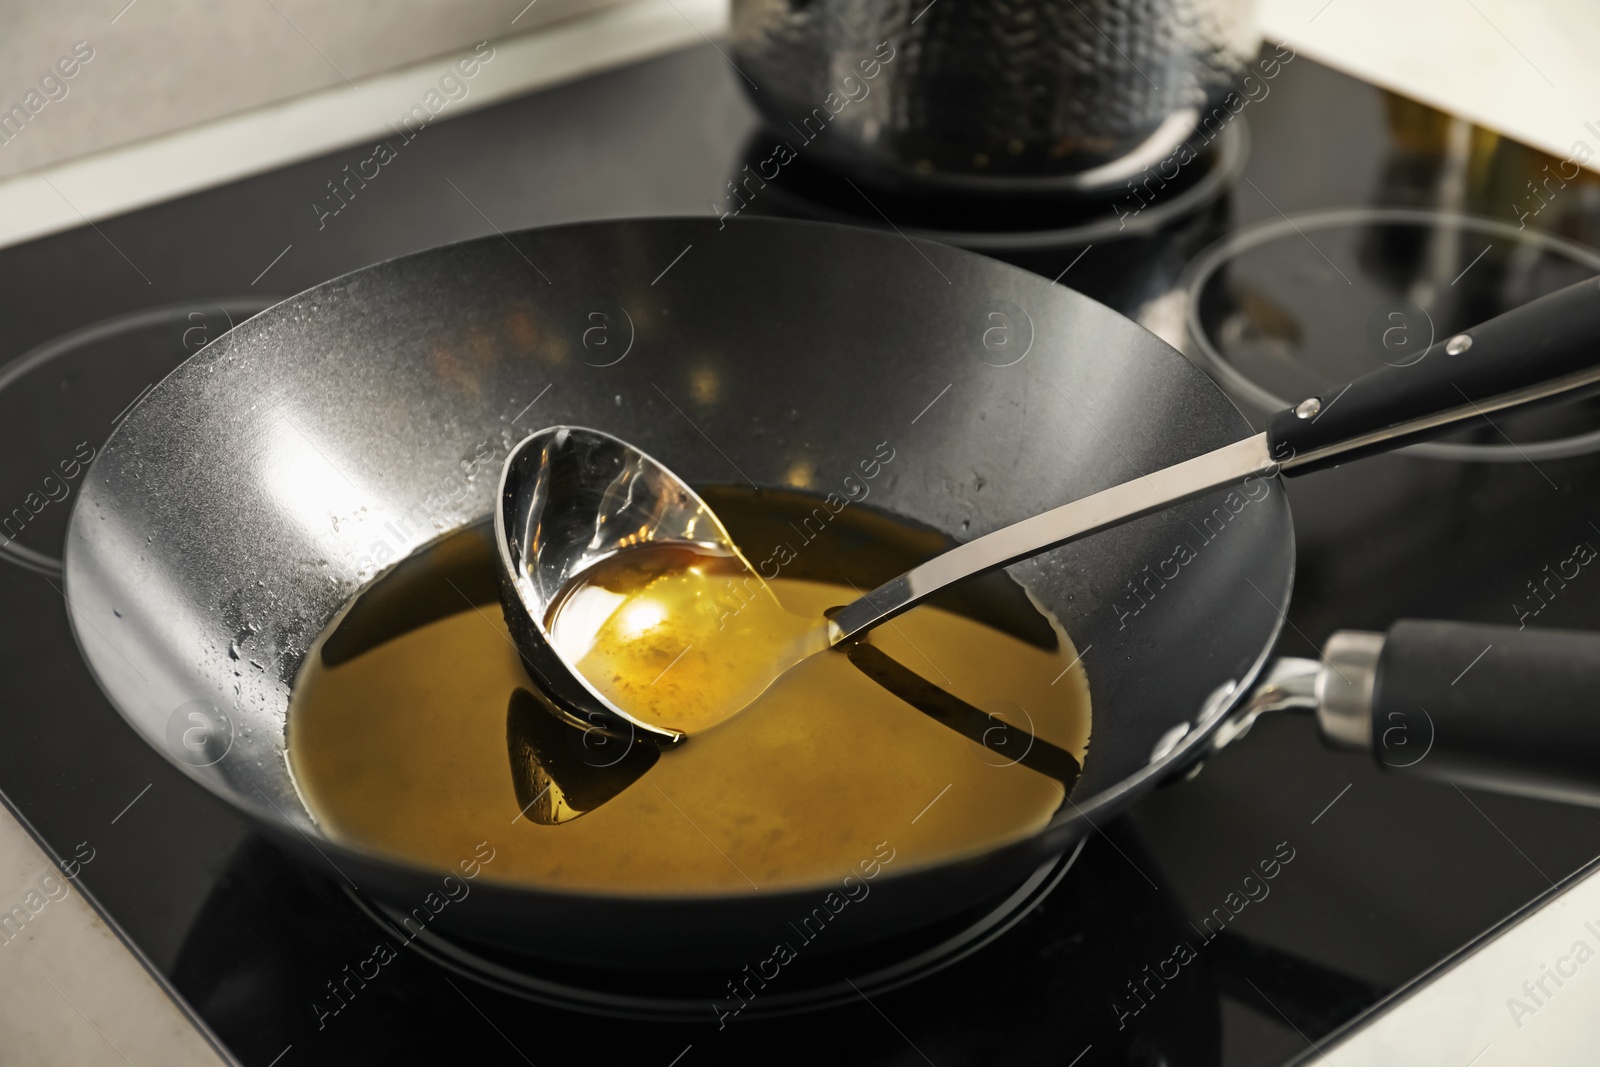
x=1160 y=942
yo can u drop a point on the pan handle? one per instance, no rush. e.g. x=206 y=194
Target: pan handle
x=1543 y=349
x=1495 y=707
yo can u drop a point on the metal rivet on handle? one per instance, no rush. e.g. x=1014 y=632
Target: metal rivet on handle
x=1169 y=741
x=1307 y=409
x=1458 y=344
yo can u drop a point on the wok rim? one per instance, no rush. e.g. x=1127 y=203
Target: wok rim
x=1059 y=834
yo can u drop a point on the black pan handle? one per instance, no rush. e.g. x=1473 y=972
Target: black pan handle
x=1496 y=707
x=1546 y=348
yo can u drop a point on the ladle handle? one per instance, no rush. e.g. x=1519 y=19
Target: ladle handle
x=1545 y=348
x=1495 y=707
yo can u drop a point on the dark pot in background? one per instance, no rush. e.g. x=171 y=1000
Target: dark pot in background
x=988 y=96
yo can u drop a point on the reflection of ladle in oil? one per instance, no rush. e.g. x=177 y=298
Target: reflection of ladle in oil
x=1008 y=740
x=561 y=771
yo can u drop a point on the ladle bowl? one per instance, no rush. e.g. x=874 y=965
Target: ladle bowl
x=571 y=498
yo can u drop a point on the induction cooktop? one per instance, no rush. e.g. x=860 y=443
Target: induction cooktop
x=1155 y=943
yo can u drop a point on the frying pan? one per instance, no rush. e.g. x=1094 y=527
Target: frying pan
x=240 y=507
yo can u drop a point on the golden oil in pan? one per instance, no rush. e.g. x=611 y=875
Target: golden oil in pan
x=403 y=734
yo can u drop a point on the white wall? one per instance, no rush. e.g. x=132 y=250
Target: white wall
x=161 y=65
x=1524 y=67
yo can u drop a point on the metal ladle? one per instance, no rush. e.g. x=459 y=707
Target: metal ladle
x=571 y=497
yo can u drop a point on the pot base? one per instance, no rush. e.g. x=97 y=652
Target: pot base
x=1026 y=218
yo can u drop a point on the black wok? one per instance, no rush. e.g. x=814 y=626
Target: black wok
x=254 y=492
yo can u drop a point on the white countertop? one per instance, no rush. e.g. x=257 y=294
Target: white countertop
x=1488 y=1009
x=72 y=994
x=1526 y=69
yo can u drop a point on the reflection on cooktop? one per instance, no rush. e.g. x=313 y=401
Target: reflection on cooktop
x=1268 y=317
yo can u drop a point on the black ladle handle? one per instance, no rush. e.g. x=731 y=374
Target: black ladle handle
x=1548 y=347
x=1496 y=707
